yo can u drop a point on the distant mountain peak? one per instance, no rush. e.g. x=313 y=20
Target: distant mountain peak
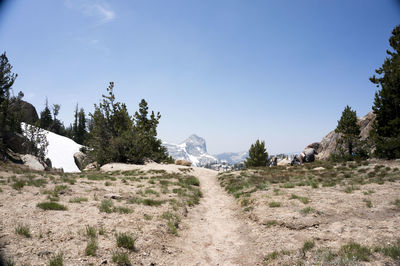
x=193 y=149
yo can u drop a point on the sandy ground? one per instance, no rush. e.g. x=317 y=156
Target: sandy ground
x=214 y=233
x=336 y=219
x=211 y=233
x=218 y=231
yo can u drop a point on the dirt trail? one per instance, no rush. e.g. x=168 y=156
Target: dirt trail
x=213 y=233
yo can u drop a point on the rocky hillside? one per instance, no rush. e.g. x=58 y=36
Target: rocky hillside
x=193 y=149
x=328 y=143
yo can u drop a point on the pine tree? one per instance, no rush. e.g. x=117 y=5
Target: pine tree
x=116 y=137
x=78 y=130
x=9 y=121
x=57 y=126
x=75 y=124
x=258 y=155
x=386 y=130
x=349 y=129
x=81 y=129
x=46 y=121
x=146 y=132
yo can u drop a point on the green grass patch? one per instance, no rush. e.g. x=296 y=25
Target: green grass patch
x=125 y=241
x=56 y=260
x=121 y=259
x=307 y=246
x=152 y=202
x=271 y=223
x=151 y=191
x=18 y=185
x=276 y=254
x=91 y=231
x=50 y=205
x=355 y=251
x=329 y=184
x=304 y=200
x=391 y=250
x=23 y=230
x=189 y=180
x=350 y=189
x=106 y=206
x=274 y=204
x=122 y=209
x=307 y=210
x=91 y=247
x=288 y=185
x=172 y=221
x=78 y=200
x=156 y=171
x=369 y=192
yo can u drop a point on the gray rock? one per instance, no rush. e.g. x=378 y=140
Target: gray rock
x=79 y=158
x=284 y=162
x=308 y=154
x=33 y=162
x=112 y=196
x=91 y=166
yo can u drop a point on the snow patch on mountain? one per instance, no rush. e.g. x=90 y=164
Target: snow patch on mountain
x=232 y=157
x=193 y=149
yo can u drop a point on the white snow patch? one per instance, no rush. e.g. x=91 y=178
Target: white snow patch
x=61 y=151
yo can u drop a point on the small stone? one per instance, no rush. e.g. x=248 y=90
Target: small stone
x=112 y=196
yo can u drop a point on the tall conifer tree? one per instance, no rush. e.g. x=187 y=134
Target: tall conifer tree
x=348 y=128
x=386 y=106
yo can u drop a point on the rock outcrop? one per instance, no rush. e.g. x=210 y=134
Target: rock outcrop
x=33 y=162
x=328 y=143
x=28 y=111
x=309 y=153
x=80 y=158
x=284 y=162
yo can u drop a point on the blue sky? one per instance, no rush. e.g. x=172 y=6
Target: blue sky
x=230 y=71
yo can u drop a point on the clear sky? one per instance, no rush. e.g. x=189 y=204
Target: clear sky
x=230 y=71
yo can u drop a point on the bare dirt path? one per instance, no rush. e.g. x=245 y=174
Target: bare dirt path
x=213 y=233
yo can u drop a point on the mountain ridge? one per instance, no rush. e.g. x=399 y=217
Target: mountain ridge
x=194 y=149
